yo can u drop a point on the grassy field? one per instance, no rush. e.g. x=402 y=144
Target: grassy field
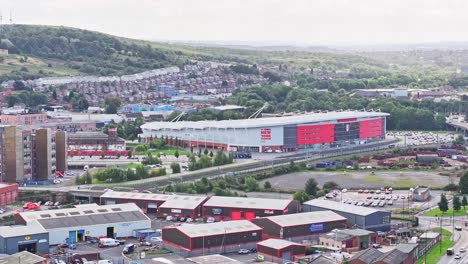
x=437 y=212
x=434 y=254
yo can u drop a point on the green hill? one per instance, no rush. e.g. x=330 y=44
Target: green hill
x=38 y=51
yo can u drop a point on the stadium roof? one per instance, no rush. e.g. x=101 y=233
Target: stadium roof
x=264 y=122
x=170 y=200
x=218 y=228
x=337 y=206
x=277 y=243
x=247 y=202
x=305 y=218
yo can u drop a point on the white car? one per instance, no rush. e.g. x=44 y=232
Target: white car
x=155 y=240
x=210 y=220
x=458 y=228
x=344 y=190
x=243 y=251
x=457 y=256
x=462 y=250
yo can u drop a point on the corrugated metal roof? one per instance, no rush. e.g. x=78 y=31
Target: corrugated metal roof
x=22 y=257
x=263 y=122
x=305 y=218
x=20 y=230
x=368 y=255
x=170 y=200
x=247 y=202
x=96 y=219
x=218 y=228
x=277 y=243
x=337 y=206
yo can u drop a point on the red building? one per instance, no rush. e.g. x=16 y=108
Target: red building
x=8 y=193
x=237 y=208
x=279 y=250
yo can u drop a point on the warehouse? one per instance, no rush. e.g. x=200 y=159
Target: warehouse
x=358 y=216
x=286 y=133
x=279 y=250
x=214 y=238
x=237 y=208
x=76 y=224
x=298 y=227
x=163 y=204
x=8 y=193
x=33 y=238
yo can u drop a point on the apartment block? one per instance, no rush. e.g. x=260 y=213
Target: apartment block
x=27 y=154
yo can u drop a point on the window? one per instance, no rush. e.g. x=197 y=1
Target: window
x=386 y=219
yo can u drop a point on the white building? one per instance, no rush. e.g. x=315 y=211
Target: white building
x=90 y=220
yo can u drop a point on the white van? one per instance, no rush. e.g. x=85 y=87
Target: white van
x=109 y=242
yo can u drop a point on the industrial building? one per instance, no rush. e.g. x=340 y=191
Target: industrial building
x=8 y=193
x=90 y=220
x=358 y=216
x=348 y=240
x=213 y=238
x=23 y=257
x=32 y=238
x=163 y=204
x=95 y=141
x=286 y=133
x=31 y=154
x=279 y=250
x=421 y=193
x=301 y=226
x=236 y=208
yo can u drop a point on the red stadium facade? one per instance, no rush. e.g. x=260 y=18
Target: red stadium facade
x=272 y=134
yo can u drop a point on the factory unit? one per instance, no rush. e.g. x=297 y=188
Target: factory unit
x=32 y=238
x=316 y=131
x=90 y=220
x=279 y=250
x=237 y=208
x=162 y=204
x=214 y=238
x=301 y=226
x=362 y=217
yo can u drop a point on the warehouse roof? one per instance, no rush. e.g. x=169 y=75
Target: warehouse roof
x=264 y=122
x=93 y=219
x=86 y=211
x=248 y=203
x=277 y=243
x=22 y=257
x=337 y=206
x=305 y=218
x=391 y=257
x=218 y=228
x=170 y=200
x=21 y=230
x=368 y=255
x=183 y=202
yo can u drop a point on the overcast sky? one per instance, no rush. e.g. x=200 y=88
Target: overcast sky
x=315 y=22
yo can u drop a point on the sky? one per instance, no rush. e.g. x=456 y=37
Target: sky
x=258 y=22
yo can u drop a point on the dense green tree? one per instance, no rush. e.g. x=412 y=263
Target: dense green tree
x=464 y=202
x=267 y=185
x=251 y=184
x=301 y=197
x=464 y=183
x=112 y=105
x=443 y=204
x=175 y=167
x=330 y=185
x=456 y=203
x=311 y=187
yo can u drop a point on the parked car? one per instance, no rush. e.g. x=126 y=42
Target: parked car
x=155 y=240
x=108 y=242
x=67 y=245
x=458 y=228
x=128 y=249
x=462 y=250
x=375 y=245
x=169 y=218
x=210 y=220
x=120 y=241
x=189 y=220
x=92 y=240
x=243 y=251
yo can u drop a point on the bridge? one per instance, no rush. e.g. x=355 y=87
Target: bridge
x=458 y=123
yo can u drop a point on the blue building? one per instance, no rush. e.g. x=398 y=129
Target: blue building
x=33 y=238
x=166 y=90
x=141 y=108
x=358 y=216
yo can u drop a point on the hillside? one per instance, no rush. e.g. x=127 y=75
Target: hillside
x=37 y=51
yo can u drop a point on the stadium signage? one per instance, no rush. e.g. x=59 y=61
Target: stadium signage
x=265 y=134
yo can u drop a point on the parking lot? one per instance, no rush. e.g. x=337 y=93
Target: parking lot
x=415 y=138
x=385 y=199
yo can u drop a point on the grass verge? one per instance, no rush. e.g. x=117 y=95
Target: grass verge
x=436 y=253
x=450 y=212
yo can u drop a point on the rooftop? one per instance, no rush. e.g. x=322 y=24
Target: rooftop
x=322 y=260
x=21 y=230
x=83 y=210
x=336 y=206
x=22 y=257
x=250 y=203
x=305 y=218
x=266 y=122
x=407 y=247
x=429 y=235
x=170 y=200
x=218 y=228
x=210 y=259
x=368 y=255
x=277 y=243
x=391 y=257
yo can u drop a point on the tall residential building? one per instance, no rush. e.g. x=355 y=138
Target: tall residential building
x=61 y=151
x=27 y=154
